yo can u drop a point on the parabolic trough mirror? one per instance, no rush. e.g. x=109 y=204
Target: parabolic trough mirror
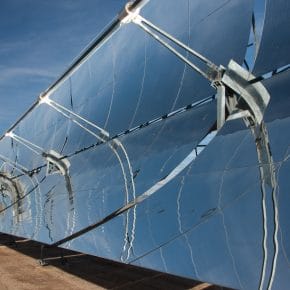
x=165 y=145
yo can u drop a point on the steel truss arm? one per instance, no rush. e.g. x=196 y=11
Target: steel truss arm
x=231 y=82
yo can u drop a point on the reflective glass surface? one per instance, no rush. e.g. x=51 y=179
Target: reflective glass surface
x=274 y=47
x=215 y=219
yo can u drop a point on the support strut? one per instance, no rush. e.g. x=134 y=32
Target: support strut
x=231 y=82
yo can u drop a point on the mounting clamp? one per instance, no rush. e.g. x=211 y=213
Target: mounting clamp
x=131 y=12
x=249 y=99
x=56 y=163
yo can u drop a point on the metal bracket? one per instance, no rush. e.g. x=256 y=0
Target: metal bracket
x=231 y=82
x=250 y=97
x=99 y=133
x=239 y=115
x=44 y=261
x=56 y=163
x=130 y=13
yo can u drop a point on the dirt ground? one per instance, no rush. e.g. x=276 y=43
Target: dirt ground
x=20 y=270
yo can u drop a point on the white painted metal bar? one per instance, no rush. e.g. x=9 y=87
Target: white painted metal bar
x=31 y=146
x=173 y=50
x=176 y=41
x=221 y=106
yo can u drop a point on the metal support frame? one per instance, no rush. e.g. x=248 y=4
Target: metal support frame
x=233 y=81
x=213 y=71
x=101 y=135
x=249 y=96
x=56 y=163
x=44 y=261
x=59 y=163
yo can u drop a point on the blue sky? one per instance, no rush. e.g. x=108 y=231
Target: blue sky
x=38 y=41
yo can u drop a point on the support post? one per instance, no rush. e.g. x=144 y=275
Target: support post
x=42 y=261
x=221 y=106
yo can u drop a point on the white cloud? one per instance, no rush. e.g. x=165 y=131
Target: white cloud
x=12 y=46
x=10 y=73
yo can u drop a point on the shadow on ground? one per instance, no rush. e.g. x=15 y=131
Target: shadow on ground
x=101 y=272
